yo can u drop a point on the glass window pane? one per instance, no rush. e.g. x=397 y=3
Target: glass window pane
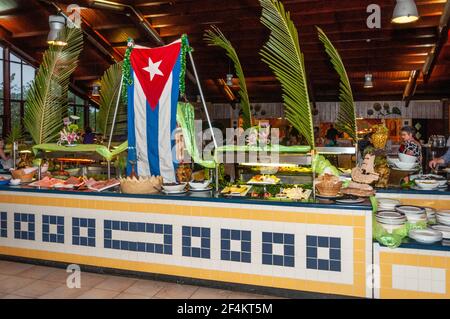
x=1 y=52
x=16 y=81
x=1 y=79
x=1 y=107
x=71 y=98
x=28 y=77
x=15 y=113
x=80 y=113
x=79 y=100
x=93 y=118
x=14 y=58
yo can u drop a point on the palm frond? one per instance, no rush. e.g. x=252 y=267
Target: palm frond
x=47 y=98
x=283 y=55
x=215 y=37
x=346 y=118
x=110 y=84
x=15 y=135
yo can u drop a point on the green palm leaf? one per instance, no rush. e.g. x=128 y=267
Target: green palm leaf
x=110 y=84
x=215 y=37
x=47 y=98
x=346 y=118
x=283 y=55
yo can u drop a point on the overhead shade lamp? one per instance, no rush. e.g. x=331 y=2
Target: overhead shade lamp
x=230 y=79
x=96 y=89
x=368 y=81
x=405 y=11
x=108 y=5
x=55 y=36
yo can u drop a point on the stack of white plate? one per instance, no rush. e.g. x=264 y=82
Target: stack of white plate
x=390 y=220
x=445 y=230
x=425 y=236
x=387 y=204
x=431 y=214
x=443 y=217
x=414 y=214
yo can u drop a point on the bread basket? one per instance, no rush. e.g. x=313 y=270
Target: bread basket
x=329 y=189
x=141 y=185
x=25 y=175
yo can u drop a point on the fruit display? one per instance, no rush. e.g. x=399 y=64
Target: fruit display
x=264 y=179
x=380 y=136
x=297 y=193
x=236 y=190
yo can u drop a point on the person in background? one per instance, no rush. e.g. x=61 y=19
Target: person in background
x=89 y=136
x=444 y=160
x=332 y=135
x=318 y=139
x=5 y=161
x=410 y=145
x=364 y=143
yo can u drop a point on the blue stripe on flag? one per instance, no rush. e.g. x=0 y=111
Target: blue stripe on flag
x=175 y=95
x=131 y=128
x=152 y=139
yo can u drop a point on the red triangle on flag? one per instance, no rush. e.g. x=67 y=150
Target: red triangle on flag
x=153 y=67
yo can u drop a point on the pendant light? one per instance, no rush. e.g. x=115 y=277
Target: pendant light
x=96 y=89
x=55 y=36
x=368 y=77
x=405 y=11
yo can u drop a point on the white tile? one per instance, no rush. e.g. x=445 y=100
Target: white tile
x=323 y=253
x=196 y=241
x=278 y=249
x=438 y=287
x=424 y=285
x=53 y=229
x=235 y=245
x=83 y=232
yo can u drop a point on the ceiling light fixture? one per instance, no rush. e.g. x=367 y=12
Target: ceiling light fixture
x=96 y=89
x=108 y=5
x=368 y=81
x=405 y=11
x=230 y=79
x=55 y=36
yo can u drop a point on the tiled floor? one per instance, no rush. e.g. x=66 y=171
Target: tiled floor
x=23 y=281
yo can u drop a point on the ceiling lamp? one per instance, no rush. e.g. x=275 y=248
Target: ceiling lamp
x=368 y=81
x=55 y=36
x=230 y=79
x=108 y=5
x=405 y=11
x=96 y=89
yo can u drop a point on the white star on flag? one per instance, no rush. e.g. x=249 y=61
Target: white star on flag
x=153 y=68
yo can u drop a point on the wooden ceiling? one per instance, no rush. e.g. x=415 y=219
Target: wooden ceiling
x=392 y=53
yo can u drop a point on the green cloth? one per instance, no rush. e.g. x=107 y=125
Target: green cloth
x=270 y=148
x=82 y=148
x=186 y=120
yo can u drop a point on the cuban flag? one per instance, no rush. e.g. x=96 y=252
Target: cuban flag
x=152 y=109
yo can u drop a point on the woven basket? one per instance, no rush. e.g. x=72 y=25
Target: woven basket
x=140 y=186
x=24 y=178
x=329 y=189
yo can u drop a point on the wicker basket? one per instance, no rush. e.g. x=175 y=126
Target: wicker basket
x=24 y=178
x=150 y=185
x=329 y=189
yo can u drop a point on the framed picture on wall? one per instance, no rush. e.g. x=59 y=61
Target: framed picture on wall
x=406 y=122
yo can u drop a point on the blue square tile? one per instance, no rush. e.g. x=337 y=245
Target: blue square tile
x=53 y=220
x=335 y=254
x=335 y=265
x=30 y=226
x=225 y=233
x=60 y=220
x=225 y=244
x=91 y=242
x=246 y=246
x=323 y=241
x=107 y=243
x=311 y=263
x=141 y=227
x=267 y=237
x=311 y=252
x=133 y=227
x=116 y=225
x=323 y=264
x=45 y=228
x=4 y=233
x=132 y=246
x=60 y=229
x=159 y=229
x=167 y=229
x=206 y=232
x=278 y=260
x=83 y=222
x=267 y=248
x=186 y=231
x=45 y=237
x=186 y=251
x=76 y=231
x=196 y=252
x=23 y=235
x=24 y=217
x=246 y=258
x=31 y=236
x=75 y=221
x=278 y=238
x=168 y=249
x=31 y=218
x=141 y=247
x=335 y=242
x=150 y=228
x=53 y=238
x=3 y=215
x=205 y=243
x=124 y=245
x=16 y=225
x=150 y=248
x=289 y=239
x=167 y=239
x=289 y=250
x=91 y=223
x=17 y=234
x=225 y=255
x=186 y=241
x=196 y=231
x=61 y=239
x=289 y=261
x=235 y=256
x=246 y=235
x=116 y=244
x=206 y=254
x=45 y=219
x=236 y=234
x=267 y=259
x=311 y=241
x=159 y=249
x=91 y=232
x=83 y=241
x=124 y=226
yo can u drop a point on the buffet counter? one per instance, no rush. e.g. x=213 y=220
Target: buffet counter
x=308 y=247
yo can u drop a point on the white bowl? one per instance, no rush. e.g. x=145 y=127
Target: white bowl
x=407 y=158
x=410 y=209
x=405 y=165
x=14 y=182
x=200 y=185
x=391 y=160
x=390 y=228
x=174 y=188
x=427 y=184
x=445 y=230
x=426 y=236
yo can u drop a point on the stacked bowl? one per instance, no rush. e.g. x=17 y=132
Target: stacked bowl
x=443 y=217
x=404 y=162
x=414 y=214
x=425 y=236
x=387 y=204
x=390 y=220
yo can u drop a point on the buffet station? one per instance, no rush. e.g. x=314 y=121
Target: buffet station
x=379 y=229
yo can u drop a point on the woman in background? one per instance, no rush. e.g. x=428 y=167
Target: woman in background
x=410 y=145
